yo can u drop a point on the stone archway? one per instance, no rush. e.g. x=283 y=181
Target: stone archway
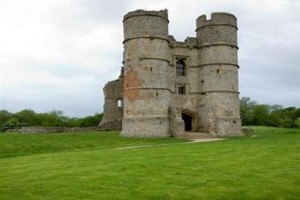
x=188 y=122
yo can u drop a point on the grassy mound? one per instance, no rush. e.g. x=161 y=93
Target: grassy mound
x=90 y=166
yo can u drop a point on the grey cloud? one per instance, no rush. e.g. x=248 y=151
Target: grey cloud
x=82 y=50
x=110 y=11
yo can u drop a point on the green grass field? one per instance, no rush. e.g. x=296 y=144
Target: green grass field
x=92 y=166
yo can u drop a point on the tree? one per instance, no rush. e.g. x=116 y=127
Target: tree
x=261 y=114
x=10 y=124
x=91 y=120
x=53 y=118
x=287 y=122
x=4 y=116
x=297 y=123
x=246 y=110
x=27 y=117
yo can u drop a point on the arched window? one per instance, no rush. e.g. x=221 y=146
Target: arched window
x=119 y=103
x=180 y=67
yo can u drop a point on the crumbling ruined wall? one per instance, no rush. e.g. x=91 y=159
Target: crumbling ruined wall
x=113 y=105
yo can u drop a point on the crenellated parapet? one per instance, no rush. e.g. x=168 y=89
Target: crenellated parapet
x=161 y=13
x=146 y=24
x=189 y=42
x=221 y=29
x=217 y=18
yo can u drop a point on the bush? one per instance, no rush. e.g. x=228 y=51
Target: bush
x=297 y=123
x=10 y=124
x=54 y=118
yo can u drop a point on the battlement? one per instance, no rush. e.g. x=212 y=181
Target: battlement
x=217 y=18
x=137 y=13
x=189 y=42
x=141 y=24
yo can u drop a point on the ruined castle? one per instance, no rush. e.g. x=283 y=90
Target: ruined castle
x=167 y=87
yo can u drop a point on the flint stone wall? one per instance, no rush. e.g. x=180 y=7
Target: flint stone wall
x=39 y=129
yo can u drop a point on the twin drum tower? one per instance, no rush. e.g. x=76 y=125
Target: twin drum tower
x=169 y=87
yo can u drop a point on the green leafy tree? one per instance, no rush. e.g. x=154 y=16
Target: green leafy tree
x=4 y=116
x=27 y=117
x=297 y=123
x=10 y=124
x=53 y=118
x=246 y=110
x=73 y=122
x=91 y=120
x=287 y=122
x=261 y=113
x=267 y=115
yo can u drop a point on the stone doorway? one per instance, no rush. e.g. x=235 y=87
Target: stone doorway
x=187 y=122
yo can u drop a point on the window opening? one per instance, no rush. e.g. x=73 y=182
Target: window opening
x=119 y=103
x=181 y=90
x=180 y=67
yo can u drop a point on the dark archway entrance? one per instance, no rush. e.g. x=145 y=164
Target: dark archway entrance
x=187 y=122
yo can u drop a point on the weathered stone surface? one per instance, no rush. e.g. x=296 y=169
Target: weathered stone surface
x=113 y=106
x=177 y=123
x=163 y=98
x=39 y=129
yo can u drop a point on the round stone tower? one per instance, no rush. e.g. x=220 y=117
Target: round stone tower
x=146 y=82
x=219 y=104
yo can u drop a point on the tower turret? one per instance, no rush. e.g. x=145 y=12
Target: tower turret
x=146 y=66
x=219 y=104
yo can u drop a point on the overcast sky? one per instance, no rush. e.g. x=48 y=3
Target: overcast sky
x=58 y=54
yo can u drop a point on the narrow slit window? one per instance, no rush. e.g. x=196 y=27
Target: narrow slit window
x=180 y=67
x=119 y=103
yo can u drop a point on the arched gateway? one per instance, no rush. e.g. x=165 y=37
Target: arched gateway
x=187 y=122
x=189 y=119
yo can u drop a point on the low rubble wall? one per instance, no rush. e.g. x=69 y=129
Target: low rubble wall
x=39 y=129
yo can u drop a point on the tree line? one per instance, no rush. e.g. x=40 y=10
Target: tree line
x=251 y=112
x=256 y=114
x=54 y=118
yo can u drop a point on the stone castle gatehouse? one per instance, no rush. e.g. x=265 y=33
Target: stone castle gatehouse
x=167 y=87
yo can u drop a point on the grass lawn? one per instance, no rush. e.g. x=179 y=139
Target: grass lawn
x=90 y=166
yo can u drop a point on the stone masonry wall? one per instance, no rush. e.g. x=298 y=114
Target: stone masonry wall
x=113 y=105
x=146 y=86
x=217 y=41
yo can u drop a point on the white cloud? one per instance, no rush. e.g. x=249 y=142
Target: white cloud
x=54 y=46
x=58 y=54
